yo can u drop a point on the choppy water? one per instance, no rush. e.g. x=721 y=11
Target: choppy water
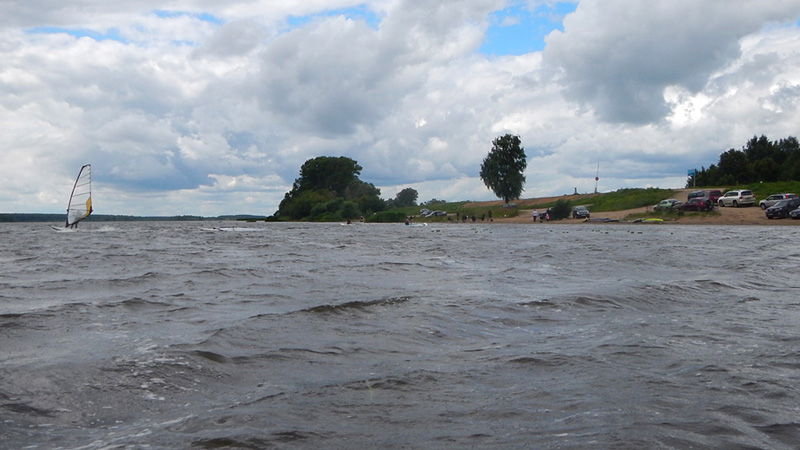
x=162 y=335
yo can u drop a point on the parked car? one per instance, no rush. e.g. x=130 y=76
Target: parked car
x=774 y=198
x=711 y=194
x=667 y=205
x=795 y=214
x=737 y=198
x=782 y=208
x=580 y=212
x=697 y=204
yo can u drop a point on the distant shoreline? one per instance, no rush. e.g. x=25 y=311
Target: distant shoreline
x=57 y=218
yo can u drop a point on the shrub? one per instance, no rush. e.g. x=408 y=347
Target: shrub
x=561 y=210
x=349 y=210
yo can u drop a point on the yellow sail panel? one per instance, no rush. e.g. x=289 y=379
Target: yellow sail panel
x=88 y=207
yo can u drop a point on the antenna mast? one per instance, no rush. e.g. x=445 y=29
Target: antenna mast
x=596 y=178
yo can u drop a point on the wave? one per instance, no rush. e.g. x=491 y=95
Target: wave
x=137 y=303
x=359 y=305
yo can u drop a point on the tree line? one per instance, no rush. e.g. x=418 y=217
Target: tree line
x=760 y=160
x=329 y=188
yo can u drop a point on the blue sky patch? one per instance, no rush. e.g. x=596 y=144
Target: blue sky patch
x=112 y=34
x=202 y=17
x=517 y=30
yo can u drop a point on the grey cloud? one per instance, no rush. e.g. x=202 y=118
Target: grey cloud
x=234 y=39
x=618 y=56
x=329 y=78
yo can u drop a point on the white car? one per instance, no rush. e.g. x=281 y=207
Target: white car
x=737 y=198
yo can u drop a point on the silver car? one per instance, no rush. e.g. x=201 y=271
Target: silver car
x=737 y=198
x=774 y=198
x=667 y=205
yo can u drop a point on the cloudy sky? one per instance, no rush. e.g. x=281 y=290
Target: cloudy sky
x=208 y=107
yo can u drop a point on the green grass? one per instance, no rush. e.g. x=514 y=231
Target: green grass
x=615 y=201
x=764 y=190
x=629 y=199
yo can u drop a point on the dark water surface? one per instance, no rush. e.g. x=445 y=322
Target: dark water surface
x=163 y=335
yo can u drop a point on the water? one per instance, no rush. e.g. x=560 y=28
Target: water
x=162 y=335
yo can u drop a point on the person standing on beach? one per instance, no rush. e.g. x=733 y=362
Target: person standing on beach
x=535 y=214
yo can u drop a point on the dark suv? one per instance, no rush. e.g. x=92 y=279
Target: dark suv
x=711 y=194
x=782 y=208
x=580 y=212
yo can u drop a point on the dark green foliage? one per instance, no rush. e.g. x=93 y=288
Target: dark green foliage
x=406 y=197
x=300 y=204
x=366 y=196
x=561 y=210
x=371 y=204
x=502 y=170
x=758 y=161
x=349 y=210
x=326 y=173
x=329 y=189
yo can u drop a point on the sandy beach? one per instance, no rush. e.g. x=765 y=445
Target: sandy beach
x=727 y=216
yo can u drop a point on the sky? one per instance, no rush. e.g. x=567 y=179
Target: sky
x=199 y=107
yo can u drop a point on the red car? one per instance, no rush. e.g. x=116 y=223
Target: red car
x=697 y=204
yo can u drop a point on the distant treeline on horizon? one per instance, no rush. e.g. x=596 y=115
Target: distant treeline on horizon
x=51 y=217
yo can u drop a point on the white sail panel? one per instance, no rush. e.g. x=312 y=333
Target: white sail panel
x=80 y=201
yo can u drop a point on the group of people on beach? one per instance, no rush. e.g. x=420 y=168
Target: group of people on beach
x=545 y=216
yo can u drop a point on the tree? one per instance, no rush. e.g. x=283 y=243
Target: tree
x=327 y=173
x=735 y=167
x=406 y=197
x=502 y=169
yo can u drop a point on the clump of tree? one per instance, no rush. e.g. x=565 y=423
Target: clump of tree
x=433 y=201
x=406 y=197
x=328 y=189
x=760 y=160
x=502 y=170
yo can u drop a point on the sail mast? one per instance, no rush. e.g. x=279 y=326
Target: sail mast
x=80 y=200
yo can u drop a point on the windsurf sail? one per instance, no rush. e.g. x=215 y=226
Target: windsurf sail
x=80 y=201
